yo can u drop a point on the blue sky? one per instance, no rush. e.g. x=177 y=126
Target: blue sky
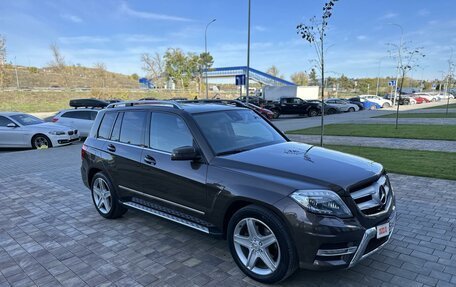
x=117 y=32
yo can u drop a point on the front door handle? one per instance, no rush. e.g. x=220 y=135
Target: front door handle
x=111 y=148
x=149 y=160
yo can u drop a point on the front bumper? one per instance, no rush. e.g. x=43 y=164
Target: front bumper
x=325 y=243
x=63 y=139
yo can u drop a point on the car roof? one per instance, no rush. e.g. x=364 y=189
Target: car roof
x=192 y=108
x=10 y=113
x=80 y=109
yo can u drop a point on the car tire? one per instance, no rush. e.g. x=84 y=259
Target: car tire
x=331 y=111
x=351 y=110
x=312 y=113
x=386 y=105
x=433 y=100
x=373 y=108
x=40 y=141
x=105 y=198
x=276 y=114
x=263 y=227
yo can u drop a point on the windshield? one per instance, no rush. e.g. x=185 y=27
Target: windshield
x=236 y=131
x=26 y=120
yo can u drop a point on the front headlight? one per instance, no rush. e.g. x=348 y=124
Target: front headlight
x=56 y=133
x=324 y=202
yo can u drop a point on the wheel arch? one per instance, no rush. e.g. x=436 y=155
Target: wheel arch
x=91 y=173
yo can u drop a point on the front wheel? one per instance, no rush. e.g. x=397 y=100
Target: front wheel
x=386 y=105
x=261 y=245
x=276 y=114
x=351 y=110
x=41 y=142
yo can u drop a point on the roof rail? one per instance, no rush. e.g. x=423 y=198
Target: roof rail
x=172 y=104
x=216 y=101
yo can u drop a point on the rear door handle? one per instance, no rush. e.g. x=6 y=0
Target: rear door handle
x=111 y=148
x=149 y=160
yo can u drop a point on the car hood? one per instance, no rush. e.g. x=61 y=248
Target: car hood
x=302 y=165
x=49 y=127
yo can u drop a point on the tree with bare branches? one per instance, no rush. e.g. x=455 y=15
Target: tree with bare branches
x=154 y=66
x=315 y=32
x=100 y=70
x=58 y=62
x=2 y=59
x=407 y=60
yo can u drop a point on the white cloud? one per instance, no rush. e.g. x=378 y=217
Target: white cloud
x=389 y=15
x=124 y=8
x=259 y=28
x=83 y=40
x=72 y=18
x=140 y=38
x=361 y=37
x=423 y=12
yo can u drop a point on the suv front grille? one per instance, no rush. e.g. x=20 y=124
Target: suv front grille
x=374 y=198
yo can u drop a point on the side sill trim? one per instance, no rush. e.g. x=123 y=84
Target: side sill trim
x=166 y=216
x=160 y=199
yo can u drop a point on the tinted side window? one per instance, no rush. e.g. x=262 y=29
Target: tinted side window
x=168 y=131
x=4 y=121
x=104 y=131
x=133 y=127
x=83 y=115
x=93 y=115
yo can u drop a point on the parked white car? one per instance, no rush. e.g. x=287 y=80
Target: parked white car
x=445 y=96
x=344 y=106
x=384 y=103
x=23 y=130
x=428 y=96
x=80 y=119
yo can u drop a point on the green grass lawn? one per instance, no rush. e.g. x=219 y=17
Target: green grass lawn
x=411 y=162
x=443 y=106
x=428 y=132
x=420 y=115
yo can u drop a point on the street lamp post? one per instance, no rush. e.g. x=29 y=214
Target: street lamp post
x=400 y=51
x=247 y=76
x=205 y=52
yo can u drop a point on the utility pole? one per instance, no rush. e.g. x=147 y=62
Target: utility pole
x=378 y=77
x=205 y=51
x=15 y=69
x=247 y=76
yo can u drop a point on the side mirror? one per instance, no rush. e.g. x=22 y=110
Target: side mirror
x=185 y=153
x=11 y=125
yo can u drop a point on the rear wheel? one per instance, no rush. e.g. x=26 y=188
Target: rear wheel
x=105 y=198
x=386 y=105
x=41 y=142
x=261 y=245
x=331 y=111
x=373 y=107
x=312 y=113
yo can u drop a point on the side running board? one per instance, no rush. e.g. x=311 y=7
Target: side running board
x=168 y=216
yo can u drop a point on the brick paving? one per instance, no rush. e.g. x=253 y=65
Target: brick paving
x=409 y=144
x=51 y=235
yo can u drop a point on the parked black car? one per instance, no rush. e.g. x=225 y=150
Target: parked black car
x=356 y=101
x=226 y=171
x=294 y=106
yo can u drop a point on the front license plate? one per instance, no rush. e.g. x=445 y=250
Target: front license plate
x=383 y=230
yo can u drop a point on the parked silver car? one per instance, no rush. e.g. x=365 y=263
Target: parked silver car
x=24 y=130
x=80 y=119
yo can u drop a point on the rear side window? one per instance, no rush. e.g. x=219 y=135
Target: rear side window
x=115 y=136
x=4 y=121
x=133 y=127
x=104 y=132
x=82 y=115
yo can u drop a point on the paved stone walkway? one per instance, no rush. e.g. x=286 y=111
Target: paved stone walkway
x=51 y=235
x=410 y=144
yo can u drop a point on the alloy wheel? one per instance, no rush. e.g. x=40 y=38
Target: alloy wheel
x=102 y=196
x=256 y=246
x=41 y=142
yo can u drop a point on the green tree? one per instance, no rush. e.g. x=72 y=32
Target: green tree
x=300 y=78
x=273 y=71
x=134 y=76
x=176 y=66
x=345 y=83
x=313 y=78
